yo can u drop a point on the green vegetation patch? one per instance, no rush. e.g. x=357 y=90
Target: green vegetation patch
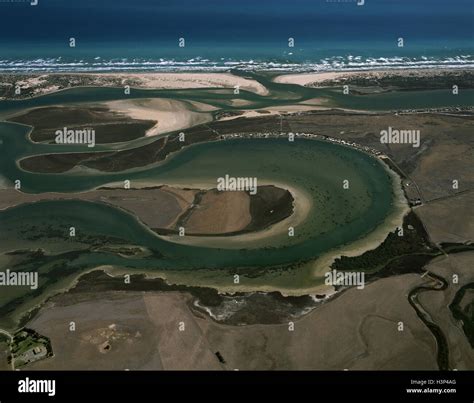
x=29 y=346
x=411 y=246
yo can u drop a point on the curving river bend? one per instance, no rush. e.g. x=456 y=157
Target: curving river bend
x=315 y=169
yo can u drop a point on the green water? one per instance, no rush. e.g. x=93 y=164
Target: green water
x=279 y=94
x=338 y=216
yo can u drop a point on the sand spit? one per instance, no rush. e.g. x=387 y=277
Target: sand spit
x=34 y=85
x=309 y=78
x=315 y=79
x=192 y=80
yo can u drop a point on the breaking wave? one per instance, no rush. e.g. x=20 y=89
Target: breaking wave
x=350 y=62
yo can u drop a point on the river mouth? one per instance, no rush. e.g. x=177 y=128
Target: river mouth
x=342 y=194
x=345 y=199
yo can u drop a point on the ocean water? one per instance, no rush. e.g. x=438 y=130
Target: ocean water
x=220 y=35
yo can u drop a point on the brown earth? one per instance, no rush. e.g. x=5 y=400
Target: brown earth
x=357 y=330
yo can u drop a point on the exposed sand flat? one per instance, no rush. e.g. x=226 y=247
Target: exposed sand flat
x=169 y=114
x=308 y=78
x=239 y=103
x=191 y=80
